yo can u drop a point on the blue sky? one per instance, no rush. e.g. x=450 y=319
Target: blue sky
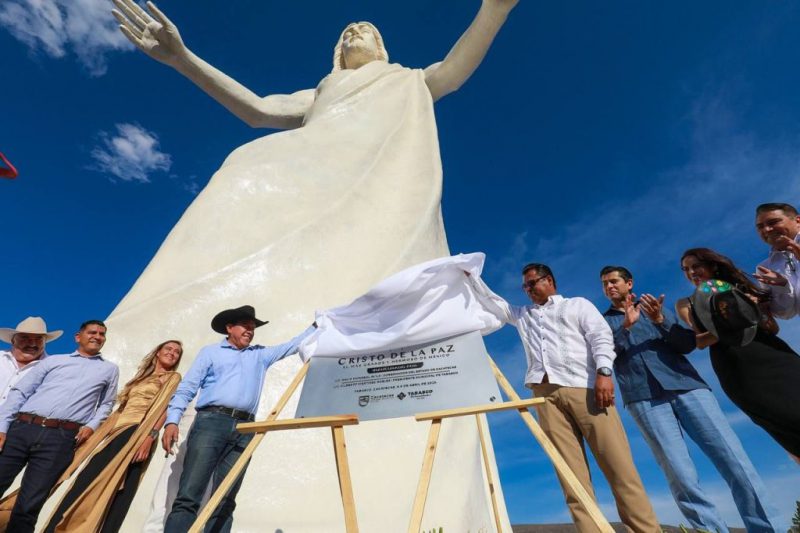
x=594 y=133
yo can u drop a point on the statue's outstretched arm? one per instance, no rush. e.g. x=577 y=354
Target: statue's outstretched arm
x=448 y=75
x=159 y=38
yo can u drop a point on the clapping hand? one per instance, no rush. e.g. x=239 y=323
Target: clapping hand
x=631 y=311
x=787 y=244
x=769 y=277
x=653 y=307
x=153 y=32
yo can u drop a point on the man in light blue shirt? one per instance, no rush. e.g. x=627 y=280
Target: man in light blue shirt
x=229 y=376
x=778 y=225
x=50 y=412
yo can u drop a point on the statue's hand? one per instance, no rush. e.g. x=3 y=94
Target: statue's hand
x=152 y=32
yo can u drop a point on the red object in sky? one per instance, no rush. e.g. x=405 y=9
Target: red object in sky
x=9 y=172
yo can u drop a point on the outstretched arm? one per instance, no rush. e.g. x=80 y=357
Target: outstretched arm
x=158 y=37
x=448 y=75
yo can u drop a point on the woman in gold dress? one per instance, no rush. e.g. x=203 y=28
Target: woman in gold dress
x=101 y=494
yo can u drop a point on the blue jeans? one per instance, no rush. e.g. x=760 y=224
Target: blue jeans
x=212 y=448
x=697 y=412
x=47 y=452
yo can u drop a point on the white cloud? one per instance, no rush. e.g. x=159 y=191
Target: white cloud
x=86 y=27
x=131 y=155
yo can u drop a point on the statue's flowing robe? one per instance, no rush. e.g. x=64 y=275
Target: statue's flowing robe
x=302 y=220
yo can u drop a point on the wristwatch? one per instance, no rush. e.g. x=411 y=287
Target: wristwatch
x=604 y=371
x=153 y=434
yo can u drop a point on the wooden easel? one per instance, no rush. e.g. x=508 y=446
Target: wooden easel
x=435 y=417
x=337 y=423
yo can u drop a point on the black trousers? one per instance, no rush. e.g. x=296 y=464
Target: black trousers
x=119 y=506
x=47 y=452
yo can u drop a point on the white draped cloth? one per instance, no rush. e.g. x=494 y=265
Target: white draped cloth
x=302 y=220
x=424 y=303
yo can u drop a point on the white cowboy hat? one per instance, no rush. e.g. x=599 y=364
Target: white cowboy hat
x=32 y=325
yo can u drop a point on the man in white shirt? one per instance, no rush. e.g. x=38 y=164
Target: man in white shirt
x=27 y=342
x=778 y=225
x=570 y=352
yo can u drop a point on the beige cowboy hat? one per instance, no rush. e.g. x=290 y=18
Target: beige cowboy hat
x=33 y=325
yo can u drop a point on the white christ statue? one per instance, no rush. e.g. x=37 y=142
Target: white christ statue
x=306 y=219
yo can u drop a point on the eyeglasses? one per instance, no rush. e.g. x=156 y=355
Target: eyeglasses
x=532 y=283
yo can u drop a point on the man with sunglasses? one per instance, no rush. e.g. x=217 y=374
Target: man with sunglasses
x=778 y=225
x=570 y=352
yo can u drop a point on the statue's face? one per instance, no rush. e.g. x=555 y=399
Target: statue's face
x=359 y=45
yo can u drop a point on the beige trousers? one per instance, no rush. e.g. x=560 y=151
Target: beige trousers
x=568 y=416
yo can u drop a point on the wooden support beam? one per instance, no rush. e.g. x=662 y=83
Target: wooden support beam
x=415 y=524
x=474 y=410
x=487 y=466
x=297 y=423
x=558 y=461
x=345 y=483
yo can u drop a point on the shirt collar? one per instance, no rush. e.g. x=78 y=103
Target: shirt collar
x=551 y=300
x=7 y=354
x=225 y=344
x=76 y=354
x=613 y=311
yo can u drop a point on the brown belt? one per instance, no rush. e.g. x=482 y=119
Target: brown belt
x=238 y=414
x=29 y=418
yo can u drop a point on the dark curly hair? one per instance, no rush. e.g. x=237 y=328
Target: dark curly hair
x=724 y=269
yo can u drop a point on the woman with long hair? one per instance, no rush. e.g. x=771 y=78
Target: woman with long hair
x=760 y=377
x=101 y=494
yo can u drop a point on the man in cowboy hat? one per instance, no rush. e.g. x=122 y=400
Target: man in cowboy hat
x=48 y=413
x=27 y=342
x=229 y=376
